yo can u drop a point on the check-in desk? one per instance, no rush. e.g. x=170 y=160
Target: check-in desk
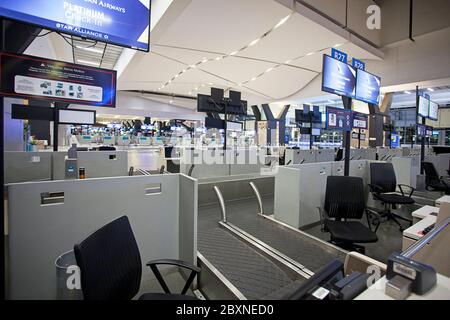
x=440 y=201
x=377 y=291
x=424 y=212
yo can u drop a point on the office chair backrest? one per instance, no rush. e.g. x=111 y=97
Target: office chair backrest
x=344 y=197
x=383 y=176
x=110 y=262
x=431 y=175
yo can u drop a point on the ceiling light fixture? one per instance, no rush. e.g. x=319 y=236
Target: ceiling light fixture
x=94 y=63
x=309 y=54
x=96 y=50
x=430 y=89
x=268 y=70
x=407 y=92
x=233 y=53
x=282 y=21
x=338 y=45
x=254 y=42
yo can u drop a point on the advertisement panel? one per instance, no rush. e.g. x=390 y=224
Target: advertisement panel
x=123 y=23
x=39 y=78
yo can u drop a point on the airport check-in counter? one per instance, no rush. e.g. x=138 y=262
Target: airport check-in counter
x=441 y=163
x=42 y=166
x=387 y=154
x=300 y=189
x=48 y=218
x=363 y=154
x=97 y=164
x=213 y=163
x=27 y=166
x=297 y=156
x=406 y=170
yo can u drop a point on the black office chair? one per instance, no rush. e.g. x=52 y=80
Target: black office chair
x=111 y=269
x=433 y=181
x=344 y=201
x=131 y=171
x=383 y=184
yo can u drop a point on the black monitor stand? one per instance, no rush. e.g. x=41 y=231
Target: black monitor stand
x=347 y=138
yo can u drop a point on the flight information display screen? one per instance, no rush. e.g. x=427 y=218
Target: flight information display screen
x=338 y=77
x=124 y=23
x=433 y=111
x=424 y=106
x=367 y=87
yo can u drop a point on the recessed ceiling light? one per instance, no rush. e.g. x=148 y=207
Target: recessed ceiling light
x=211 y=84
x=253 y=79
x=407 y=92
x=171 y=101
x=282 y=21
x=91 y=49
x=338 y=45
x=254 y=42
x=268 y=70
x=287 y=61
x=94 y=63
x=430 y=89
x=218 y=58
x=310 y=54
x=233 y=53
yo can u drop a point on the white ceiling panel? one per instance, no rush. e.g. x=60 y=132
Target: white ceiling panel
x=297 y=37
x=222 y=25
x=237 y=69
x=282 y=82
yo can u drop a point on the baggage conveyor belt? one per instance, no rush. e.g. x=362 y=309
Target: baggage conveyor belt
x=253 y=274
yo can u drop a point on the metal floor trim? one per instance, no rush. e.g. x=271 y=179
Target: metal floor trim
x=220 y=277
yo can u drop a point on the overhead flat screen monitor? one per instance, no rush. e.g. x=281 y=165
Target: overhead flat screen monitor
x=433 y=111
x=123 y=23
x=338 y=77
x=367 y=87
x=37 y=78
x=72 y=116
x=424 y=106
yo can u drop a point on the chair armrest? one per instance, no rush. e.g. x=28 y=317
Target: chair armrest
x=409 y=187
x=153 y=264
x=377 y=217
x=173 y=262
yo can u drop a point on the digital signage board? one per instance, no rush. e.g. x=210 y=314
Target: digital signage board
x=123 y=23
x=38 y=78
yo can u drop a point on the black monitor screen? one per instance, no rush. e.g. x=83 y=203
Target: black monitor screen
x=338 y=77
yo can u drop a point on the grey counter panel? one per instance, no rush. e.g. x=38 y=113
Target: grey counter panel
x=27 y=166
x=40 y=233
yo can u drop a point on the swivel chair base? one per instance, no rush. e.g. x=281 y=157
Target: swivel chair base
x=389 y=215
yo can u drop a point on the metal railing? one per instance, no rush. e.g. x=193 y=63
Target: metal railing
x=258 y=197
x=222 y=203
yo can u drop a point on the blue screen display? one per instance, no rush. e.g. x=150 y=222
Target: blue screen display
x=338 y=77
x=368 y=87
x=121 y=22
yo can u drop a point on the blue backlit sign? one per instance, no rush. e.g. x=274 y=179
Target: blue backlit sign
x=120 y=22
